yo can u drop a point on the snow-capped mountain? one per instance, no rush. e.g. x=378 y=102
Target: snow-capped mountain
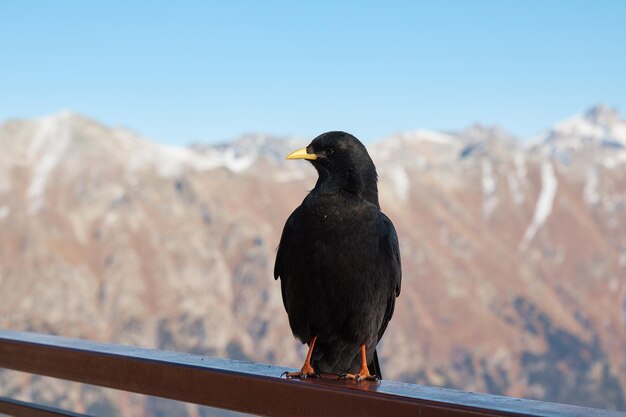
x=514 y=254
x=598 y=136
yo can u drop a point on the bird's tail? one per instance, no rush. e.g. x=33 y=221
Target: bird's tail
x=374 y=366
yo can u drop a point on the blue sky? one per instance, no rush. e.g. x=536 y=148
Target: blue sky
x=181 y=72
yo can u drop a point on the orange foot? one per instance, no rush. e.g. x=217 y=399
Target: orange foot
x=363 y=375
x=307 y=371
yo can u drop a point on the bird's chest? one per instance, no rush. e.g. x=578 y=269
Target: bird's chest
x=339 y=239
x=332 y=223
x=337 y=215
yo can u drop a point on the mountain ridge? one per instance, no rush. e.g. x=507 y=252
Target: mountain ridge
x=600 y=126
x=514 y=254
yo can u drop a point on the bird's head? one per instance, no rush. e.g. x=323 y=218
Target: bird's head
x=342 y=162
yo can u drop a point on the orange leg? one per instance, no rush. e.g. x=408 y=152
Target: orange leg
x=307 y=370
x=364 y=373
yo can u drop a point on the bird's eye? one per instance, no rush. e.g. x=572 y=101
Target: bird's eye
x=330 y=151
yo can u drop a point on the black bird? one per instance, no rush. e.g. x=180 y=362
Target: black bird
x=339 y=262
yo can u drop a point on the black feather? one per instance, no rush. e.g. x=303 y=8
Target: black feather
x=339 y=259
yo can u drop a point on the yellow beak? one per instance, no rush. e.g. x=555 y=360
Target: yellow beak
x=301 y=154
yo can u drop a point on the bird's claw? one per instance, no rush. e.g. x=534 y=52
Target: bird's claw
x=300 y=375
x=361 y=376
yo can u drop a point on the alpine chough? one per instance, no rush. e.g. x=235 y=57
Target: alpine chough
x=339 y=262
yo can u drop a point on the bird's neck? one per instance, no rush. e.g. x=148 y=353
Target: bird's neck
x=362 y=184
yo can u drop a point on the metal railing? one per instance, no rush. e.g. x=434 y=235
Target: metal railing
x=243 y=386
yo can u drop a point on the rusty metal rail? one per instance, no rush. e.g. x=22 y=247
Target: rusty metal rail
x=244 y=386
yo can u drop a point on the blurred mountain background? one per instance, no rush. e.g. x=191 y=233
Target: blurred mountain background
x=514 y=253
x=513 y=231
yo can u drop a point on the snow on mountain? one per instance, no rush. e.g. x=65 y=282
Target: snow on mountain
x=58 y=135
x=46 y=150
x=423 y=135
x=401 y=182
x=416 y=148
x=237 y=156
x=600 y=130
x=591 y=146
x=4 y=212
x=520 y=166
x=243 y=152
x=592 y=196
x=490 y=199
x=545 y=202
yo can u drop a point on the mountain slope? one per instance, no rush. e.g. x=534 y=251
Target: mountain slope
x=514 y=256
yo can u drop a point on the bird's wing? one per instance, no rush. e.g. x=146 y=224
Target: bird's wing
x=282 y=253
x=391 y=267
x=392 y=251
x=285 y=243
